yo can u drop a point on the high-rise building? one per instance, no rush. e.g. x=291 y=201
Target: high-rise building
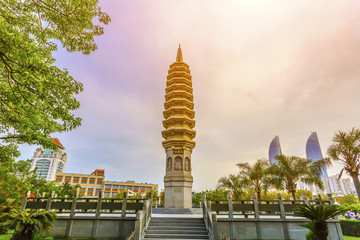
x=313 y=151
x=179 y=123
x=49 y=161
x=338 y=186
x=274 y=150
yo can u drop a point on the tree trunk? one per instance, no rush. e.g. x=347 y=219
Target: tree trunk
x=258 y=196
x=321 y=230
x=357 y=185
x=293 y=194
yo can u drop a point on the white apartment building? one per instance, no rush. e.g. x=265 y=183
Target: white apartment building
x=49 y=161
x=337 y=186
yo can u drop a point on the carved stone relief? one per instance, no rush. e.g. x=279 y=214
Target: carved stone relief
x=169 y=164
x=178 y=164
x=187 y=164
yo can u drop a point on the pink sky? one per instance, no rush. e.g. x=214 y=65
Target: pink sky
x=260 y=69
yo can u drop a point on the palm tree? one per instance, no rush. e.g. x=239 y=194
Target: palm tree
x=346 y=149
x=318 y=214
x=291 y=169
x=27 y=224
x=232 y=183
x=256 y=176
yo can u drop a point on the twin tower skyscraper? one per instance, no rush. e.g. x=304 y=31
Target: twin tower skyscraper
x=313 y=150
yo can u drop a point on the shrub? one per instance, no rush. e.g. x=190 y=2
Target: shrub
x=350 y=227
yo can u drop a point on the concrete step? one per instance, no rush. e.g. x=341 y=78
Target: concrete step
x=178 y=224
x=190 y=228
x=163 y=219
x=177 y=236
x=174 y=238
x=184 y=231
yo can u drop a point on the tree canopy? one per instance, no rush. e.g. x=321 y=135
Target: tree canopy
x=36 y=97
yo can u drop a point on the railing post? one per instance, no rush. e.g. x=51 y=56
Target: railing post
x=283 y=216
x=97 y=215
x=256 y=216
x=48 y=203
x=123 y=207
x=138 y=230
x=72 y=214
x=43 y=195
x=214 y=226
x=203 y=197
x=24 y=201
x=230 y=205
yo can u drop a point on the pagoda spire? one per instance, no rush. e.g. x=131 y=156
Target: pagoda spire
x=179 y=57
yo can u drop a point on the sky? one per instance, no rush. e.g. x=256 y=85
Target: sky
x=259 y=69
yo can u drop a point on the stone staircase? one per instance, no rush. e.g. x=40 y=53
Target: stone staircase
x=176 y=228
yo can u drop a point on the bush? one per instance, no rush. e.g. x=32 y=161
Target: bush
x=350 y=227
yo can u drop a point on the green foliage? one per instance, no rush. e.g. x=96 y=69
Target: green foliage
x=154 y=194
x=350 y=227
x=15 y=177
x=255 y=176
x=318 y=214
x=232 y=183
x=290 y=169
x=37 y=97
x=217 y=194
x=311 y=234
x=27 y=224
x=346 y=149
x=197 y=198
x=349 y=199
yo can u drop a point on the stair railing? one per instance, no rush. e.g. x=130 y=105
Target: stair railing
x=208 y=217
x=143 y=218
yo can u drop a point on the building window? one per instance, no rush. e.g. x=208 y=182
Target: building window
x=99 y=181
x=92 y=181
x=107 y=194
x=107 y=186
x=136 y=188
x=113 y=194
x=122 y=187
x=129 y=187
x=148 y=189
x=142 y=188
x=67 y=178
x=43 y=167
x=76 y=179
x=60 y=167
x=84 y=180
x=115 y=186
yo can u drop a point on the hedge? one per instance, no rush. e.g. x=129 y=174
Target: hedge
x=350 y=227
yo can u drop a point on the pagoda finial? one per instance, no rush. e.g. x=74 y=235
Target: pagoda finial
x=179 y=57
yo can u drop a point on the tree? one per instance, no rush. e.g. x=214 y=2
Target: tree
x=154 y=194
x=318 y=214
x=27 y=224
x=346 y=149
x=15 y=177
x=291 y=169
x=232 y=183
x=255 y=176
x=36 y=97
x=217 y=194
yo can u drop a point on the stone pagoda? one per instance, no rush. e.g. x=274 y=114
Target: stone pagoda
x=179 y=123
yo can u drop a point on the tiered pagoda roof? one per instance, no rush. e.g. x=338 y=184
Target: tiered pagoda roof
x=179 y=107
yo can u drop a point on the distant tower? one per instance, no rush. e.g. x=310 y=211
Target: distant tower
x=313 y=151
x=179 y=123
x=49 y=161
x=274 y=150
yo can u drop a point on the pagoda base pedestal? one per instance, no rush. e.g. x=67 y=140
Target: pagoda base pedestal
x=178 y=194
